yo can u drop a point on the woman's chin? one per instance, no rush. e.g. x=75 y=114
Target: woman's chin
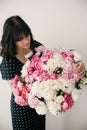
x=27 y=47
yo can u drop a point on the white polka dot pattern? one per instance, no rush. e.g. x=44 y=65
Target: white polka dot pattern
x=23 y=117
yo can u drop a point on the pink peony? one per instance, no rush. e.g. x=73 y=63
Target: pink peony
x=67 y=103
x=33 y=102
x=64 y=106
x=19 y=85
x=19 y=100
x=54 y=76
x=15 y=80
x=41 y=49
x=67 y=55
x=24 y=92
x=26 y=78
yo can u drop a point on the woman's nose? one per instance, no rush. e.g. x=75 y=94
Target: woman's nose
x=26 y=40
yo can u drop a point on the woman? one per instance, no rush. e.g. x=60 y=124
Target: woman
x=17 y=41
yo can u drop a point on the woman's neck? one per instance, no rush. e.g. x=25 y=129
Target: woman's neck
x=21 y=54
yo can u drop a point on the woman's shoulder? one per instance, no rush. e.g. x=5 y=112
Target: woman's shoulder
x=6 y=68
x=37 y=43
x=9 y=68
x=7 y=61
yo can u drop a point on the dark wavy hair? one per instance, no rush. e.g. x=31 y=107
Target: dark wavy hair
x=13 y=30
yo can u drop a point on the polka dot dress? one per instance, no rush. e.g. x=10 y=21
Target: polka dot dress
x=23 y=117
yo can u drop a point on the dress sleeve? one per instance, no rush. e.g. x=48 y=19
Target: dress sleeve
x=7 y=69
x=37 y=44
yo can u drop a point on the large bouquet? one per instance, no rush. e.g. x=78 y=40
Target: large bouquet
x=48 y=81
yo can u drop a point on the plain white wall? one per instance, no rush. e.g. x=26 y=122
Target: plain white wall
x=55 y=23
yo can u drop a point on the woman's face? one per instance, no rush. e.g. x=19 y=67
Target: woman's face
x=24 y=43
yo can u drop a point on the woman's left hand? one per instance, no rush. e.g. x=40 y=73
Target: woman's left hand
x=80 y=68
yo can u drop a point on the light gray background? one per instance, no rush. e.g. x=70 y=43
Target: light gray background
x=55 y=23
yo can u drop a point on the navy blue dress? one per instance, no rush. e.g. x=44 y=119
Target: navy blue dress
x=23 y=117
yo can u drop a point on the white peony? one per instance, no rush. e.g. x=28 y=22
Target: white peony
x=41 y=109
x=53 y=84
x=77 y=56
x=53 y=63
x=27 y=63
x=24 y=68
x=59 y=99
x=46 y=91
x=76 y=94
x=24 y=71
x=59 y=59
x=64 y=84
x=54 y=107
x=34 y=88
x=29 y=54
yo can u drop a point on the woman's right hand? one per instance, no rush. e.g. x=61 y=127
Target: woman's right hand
x=25 y=104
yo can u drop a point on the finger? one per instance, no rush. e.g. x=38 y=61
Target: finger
x=77 y=65
x=82 y=65
x=25 y=104
x=80 y=68
x=82 y=73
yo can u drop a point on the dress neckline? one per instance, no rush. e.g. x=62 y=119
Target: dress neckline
x=19 y=60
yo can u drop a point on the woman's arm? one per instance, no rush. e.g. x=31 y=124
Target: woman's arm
x=11 y=87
